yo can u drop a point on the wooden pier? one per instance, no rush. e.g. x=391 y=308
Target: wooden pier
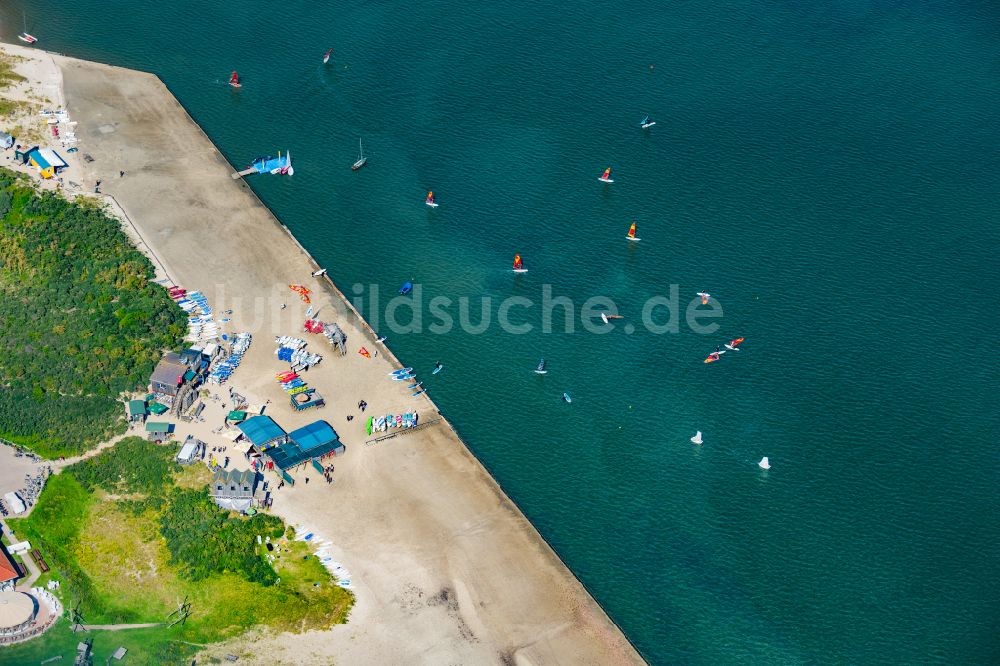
x=245 y=172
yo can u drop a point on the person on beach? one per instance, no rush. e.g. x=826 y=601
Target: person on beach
x=121 y=174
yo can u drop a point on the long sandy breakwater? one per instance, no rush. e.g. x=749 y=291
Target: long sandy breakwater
x=446 y=568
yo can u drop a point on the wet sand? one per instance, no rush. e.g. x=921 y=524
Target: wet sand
x=446 y=569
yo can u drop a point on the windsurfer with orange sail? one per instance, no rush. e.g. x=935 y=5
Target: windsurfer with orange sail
x=234 y=80
x=519 y=265
x=606 y=176
x=631 y=234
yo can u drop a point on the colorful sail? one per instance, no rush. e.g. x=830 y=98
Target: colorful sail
x=326 y=56
x=607 y=174
x=518 y=264
x=302 y=291
x=234 y=80
x=430 y=198
x=631 y=231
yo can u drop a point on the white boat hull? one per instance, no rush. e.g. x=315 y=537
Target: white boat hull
x=632 y=238
x=606 y=180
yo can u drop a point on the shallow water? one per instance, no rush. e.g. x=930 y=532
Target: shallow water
x=829 y=173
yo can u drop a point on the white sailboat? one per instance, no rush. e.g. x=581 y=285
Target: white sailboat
x=362 y=160
x=697 y=438
x=764 y=463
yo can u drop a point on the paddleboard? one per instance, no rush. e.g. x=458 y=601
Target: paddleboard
x=520 y=270
x=432 y=205
x=402 y=378
x=401 y=371
x=419 y=392
x=567 y=398
x=413 y=386
x=606 y=180
x=437 y=370
x=632 y=239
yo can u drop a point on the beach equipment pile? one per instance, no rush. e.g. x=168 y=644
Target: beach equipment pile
x=67 y=137
x=291 y=383
x=324 y=551
x=201 y=324
x=403 y=421
x=222 y=370
x=291 y=350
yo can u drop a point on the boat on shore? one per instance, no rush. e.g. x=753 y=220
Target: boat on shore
x=362 y=160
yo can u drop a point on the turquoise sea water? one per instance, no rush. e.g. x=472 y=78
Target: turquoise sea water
x=829 y=171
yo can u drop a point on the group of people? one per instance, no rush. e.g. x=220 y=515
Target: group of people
x=362 y=405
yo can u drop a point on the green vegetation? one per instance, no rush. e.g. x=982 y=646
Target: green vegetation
x=80 y=320
x=204 y=542
x=8 y=76
x=126 y=539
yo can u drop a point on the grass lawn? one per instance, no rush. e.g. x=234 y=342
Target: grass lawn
x=106 y=547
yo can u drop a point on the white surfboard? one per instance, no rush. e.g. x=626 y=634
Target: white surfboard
x=633 y=239
x=520 y=270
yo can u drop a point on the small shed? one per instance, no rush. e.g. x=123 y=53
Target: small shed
x=6 y=141
x=136 y=411
x=156 y=408
x=158 y=430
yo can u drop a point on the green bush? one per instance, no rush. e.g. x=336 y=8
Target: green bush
x=133 y=465
x=203 y=539
x=80 y=321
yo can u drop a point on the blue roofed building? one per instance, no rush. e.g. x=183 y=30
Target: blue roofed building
x=313 y=442
x=262 y=432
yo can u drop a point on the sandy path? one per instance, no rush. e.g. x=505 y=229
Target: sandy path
x=446 y=569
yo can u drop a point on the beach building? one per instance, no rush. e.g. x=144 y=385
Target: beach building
x=287 y=451
x=262 y=431
x=234 y=489
x=157 y=431
x=18 y=611
x=47 y=161
x=9 y=570
x=135 y=411
x=167 y=377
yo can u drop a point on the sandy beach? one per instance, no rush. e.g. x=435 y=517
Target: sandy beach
x=446 y=569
